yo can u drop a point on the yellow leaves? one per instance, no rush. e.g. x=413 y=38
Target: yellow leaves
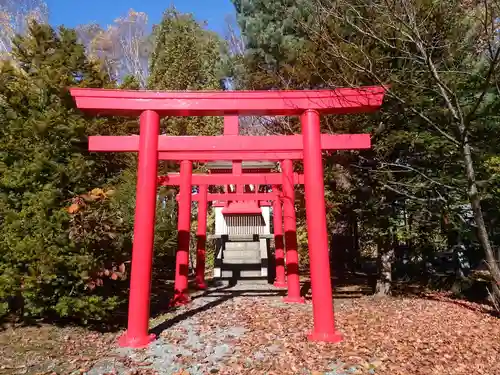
x=97 y=193
x=6 y=23
x=94 y=195
x=493 y=164
x=4 y=18
x=132 y=17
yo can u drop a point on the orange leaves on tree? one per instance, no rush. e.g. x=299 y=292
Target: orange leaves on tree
x=94 y=195
x=74 y=208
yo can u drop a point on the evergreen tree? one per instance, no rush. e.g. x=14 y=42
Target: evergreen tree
x=277 y=49
x=44 y=164
x=186 y=57
x=413 y=179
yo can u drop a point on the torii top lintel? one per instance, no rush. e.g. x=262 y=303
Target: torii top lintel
x=220 y=103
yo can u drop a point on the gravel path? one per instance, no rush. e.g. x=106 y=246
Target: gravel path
x=188 y=344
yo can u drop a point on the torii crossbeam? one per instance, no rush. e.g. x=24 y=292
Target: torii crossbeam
x=150 y=106
x=220 y=103
x=226 y=179
x=227 y=197
x=238 y=143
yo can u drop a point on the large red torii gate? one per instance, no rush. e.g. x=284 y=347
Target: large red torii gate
x=150 y=106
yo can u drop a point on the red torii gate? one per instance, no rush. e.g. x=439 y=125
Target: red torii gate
x=150 y=106
x=287 y=178
x=203 y=197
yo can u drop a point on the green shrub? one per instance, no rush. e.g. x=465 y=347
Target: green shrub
x=44 y=164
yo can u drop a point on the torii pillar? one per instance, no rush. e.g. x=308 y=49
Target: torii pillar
x=183 y=236
x=279 y=252
x=290 y=224
x=319 y=260
x=142 y=248
x=201 y=235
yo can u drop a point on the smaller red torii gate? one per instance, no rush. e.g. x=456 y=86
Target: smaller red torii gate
x=203 y=197
x=287 y=179
x=151 y=146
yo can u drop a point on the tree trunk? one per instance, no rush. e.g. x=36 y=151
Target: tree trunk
x=385 y=255
x=355 y=238
x=482 y=233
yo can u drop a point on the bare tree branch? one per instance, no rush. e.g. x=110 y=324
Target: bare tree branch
x=432 y=181
x=15 y=16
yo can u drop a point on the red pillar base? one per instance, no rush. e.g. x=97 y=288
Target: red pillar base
x=334 y=337
x=126 y=341
x=294 y=299
x=280 y=284
x=180 y=299
x=201 y=286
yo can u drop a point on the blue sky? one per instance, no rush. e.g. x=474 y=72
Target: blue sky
x=76 y=12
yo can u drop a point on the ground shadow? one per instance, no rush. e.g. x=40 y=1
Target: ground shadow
x=414 y=290
x=221 y=293
x=348 y=285
x=225 y=290
x=351 y=286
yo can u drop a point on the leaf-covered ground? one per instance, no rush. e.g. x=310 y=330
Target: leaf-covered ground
x=49 y=349
x=246 y=329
